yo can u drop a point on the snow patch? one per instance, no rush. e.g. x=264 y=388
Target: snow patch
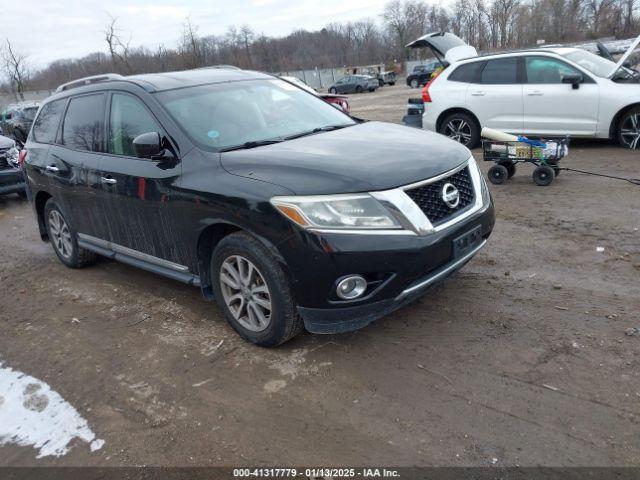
x=32 y=414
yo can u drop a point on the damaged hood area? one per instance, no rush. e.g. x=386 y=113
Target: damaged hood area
x=365 y=157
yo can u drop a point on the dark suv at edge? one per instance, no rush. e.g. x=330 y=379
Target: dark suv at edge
x=285 y=210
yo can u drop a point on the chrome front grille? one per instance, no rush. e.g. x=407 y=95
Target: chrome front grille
x=428 y=196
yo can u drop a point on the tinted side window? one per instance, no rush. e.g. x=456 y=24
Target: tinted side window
x=128 y=119
x=500 y=71
x=547 y=70
x=46 y=125
x=468 y=73
x=84 y=123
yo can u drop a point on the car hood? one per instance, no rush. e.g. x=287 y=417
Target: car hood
x=6 y=142
x=365 y=157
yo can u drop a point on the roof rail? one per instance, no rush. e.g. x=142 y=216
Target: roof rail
x=88 y=81
x=220 y=67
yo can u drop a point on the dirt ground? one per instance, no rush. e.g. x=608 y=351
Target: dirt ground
x=521 y=359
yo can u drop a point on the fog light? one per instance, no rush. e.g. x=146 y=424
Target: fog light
x=351 y=287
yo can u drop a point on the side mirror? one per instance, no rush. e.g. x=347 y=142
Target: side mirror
x=574 y=79
x=147 y=145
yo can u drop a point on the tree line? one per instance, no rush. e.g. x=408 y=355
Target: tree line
x=486 y=24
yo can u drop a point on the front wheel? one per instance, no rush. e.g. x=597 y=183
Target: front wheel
x=462 y=128
x=498 y=174
x=358 y=89
x=543 y=175
x=391 y=84
x=511 y=168
x=253 y=291
x=628 y=129
x=414 y=83
x=64 y=239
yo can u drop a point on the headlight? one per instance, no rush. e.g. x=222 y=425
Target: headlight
x=360 y=211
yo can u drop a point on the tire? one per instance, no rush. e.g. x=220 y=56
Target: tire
x=498 y=174
x=543 y=175
x=22 y=194
x=391 y=84
x=333 y=91
x=358 y=89
x=628 y=135
x=511 y=168
x=462 y=128
x=372 y=90
x=276 y=325
x=65 y=244
x=381 y=83
x=414 y=83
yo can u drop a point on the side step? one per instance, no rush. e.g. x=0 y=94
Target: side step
x=138 y=259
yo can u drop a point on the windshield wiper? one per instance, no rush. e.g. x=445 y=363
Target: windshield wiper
x=326 y=128
x=252 y=144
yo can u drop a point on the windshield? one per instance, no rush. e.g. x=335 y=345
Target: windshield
x=597 y=65
x=223 y=115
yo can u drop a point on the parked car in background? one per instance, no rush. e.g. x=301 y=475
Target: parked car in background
x=283 y=209
x=422 y=73
x=354 y=84
x=11 y=177
x=539 y=92
x=338 y=100
x=385 y=77
x=17 y=119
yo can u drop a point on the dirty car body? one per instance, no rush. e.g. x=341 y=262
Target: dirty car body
x=11 y=178
x=310 y=208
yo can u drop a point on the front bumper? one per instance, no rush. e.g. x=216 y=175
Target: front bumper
x=11 y=181
x=408 y=267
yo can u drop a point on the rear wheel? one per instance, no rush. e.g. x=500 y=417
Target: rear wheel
x=498 y=174
x=64 y=239
x=253 y=291
x=543 y=175
x=628 y=131
x=414 y=83
x=462 y=128
x=511 y=168
x=392 y=84
x=358 y=89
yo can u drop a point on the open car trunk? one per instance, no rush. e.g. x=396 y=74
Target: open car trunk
x=445 y=46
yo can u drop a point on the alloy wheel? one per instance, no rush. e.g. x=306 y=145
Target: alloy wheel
x=245 y=293
x=458 y=130
x=630 y=131
x=61 y=236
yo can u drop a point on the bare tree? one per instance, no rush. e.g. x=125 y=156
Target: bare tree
x=16 y=68
x=191 y=44
x=118 y=49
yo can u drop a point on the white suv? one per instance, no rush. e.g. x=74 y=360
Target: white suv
x=554 y=91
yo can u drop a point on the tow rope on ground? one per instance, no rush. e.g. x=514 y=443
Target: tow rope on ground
x=634 y=181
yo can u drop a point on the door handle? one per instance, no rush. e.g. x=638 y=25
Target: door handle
x=52 y=168
x=108 y=180
x=535 y=94
x=478 y=94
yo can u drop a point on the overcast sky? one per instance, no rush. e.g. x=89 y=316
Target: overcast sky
x=52 y=29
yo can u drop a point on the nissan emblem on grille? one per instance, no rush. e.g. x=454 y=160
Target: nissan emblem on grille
x=432 y=197
x=450 y=195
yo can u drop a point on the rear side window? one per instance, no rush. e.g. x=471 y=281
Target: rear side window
x=469 y=73
x=84 y=123
x=500 y=71
x=46 y=125
x=128 y=119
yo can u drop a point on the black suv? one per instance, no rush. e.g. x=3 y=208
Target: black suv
x=283 y=209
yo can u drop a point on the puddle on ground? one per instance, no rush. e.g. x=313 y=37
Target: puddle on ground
x=32 y=414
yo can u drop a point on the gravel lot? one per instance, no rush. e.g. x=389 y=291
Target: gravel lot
x=521 y=359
